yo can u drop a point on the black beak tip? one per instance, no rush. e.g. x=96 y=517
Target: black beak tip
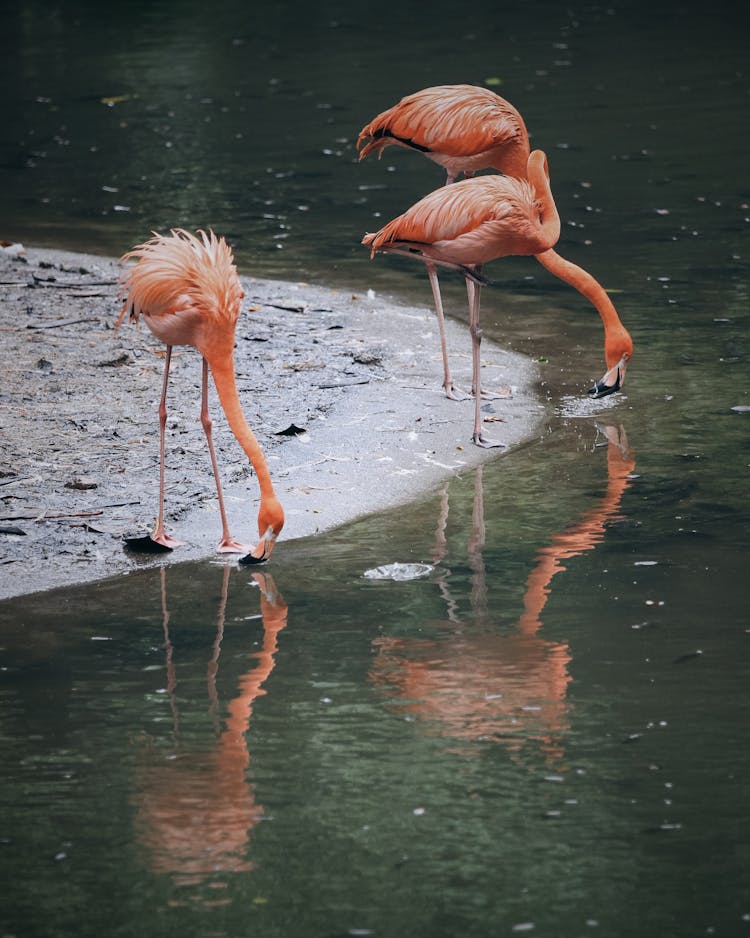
x=249 y=560
x=600 y=389
x=146 y=545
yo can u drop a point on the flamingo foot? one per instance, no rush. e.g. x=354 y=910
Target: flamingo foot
x=454 y=393
x=502 y=394
x=480 y=440
x=152 y=544
x=229 y=546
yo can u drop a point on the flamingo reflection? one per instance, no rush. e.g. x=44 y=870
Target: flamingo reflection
x=472 y=682
x=195 y=805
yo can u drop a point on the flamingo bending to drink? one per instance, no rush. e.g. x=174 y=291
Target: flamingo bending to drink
x=188 y=292
x=471 y=222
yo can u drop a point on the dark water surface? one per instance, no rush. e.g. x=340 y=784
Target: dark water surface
x=547 y=733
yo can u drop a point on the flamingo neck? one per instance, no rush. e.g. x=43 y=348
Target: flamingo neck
x=582 y=281
x=538 y=175
x=226 y=387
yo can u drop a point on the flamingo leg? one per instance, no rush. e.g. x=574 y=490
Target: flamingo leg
x=159 y=535
x=503 y=393
x=451 y=391
x=227 y=545
x=474 y=291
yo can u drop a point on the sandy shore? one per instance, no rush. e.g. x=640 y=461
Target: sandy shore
x=343 y=391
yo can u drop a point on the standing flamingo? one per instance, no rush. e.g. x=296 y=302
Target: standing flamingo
x=471 y=222
x=463 y=128
x=188 y=291
x=466 y=128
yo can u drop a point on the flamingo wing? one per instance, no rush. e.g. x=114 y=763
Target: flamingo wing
x=454 y=120
x=479 y=209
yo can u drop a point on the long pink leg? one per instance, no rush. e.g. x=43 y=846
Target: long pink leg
x=159 y=535
x=451 y=391
x=227 y=545
x=474 y=290
x=503 y=393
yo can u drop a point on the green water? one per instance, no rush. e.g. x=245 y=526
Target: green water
x=548 y=732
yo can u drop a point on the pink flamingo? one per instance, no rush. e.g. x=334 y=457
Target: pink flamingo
x=188 y=292
x=471 y=222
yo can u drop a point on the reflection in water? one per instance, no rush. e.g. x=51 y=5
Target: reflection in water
x=195 y=808
x=474 y=683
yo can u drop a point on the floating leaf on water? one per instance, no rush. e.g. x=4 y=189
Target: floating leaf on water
x=398 y=571
x=493 y=82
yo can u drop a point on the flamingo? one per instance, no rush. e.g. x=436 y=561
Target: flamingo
x=188 y=292
x=471 y=222
x=463 y=128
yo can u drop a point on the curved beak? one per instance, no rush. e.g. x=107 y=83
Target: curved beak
x=262 y=551
x=612 y=381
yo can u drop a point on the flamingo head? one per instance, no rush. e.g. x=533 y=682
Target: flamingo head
x=618 y=350
x=270 y=523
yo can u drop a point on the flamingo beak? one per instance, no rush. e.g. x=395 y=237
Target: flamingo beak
x=612 y=381
x=262 y=551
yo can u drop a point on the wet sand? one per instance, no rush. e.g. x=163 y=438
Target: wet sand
x=342 y=389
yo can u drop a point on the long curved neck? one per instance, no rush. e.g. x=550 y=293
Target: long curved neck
x=222 y=369
x=538 y=176
x=582 y=281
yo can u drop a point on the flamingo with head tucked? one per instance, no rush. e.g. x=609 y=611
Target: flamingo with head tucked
x=463 y=128
x=471 y=222
x=187 y=290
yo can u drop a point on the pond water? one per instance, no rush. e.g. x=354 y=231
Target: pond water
x=546 y=732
